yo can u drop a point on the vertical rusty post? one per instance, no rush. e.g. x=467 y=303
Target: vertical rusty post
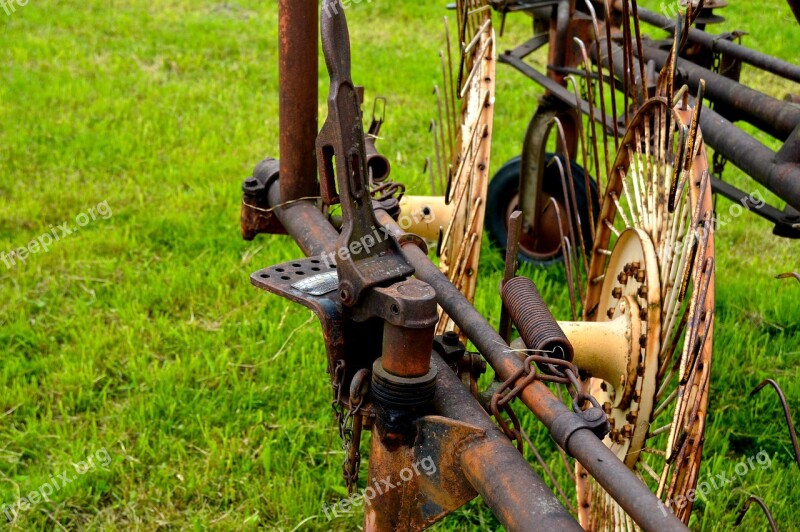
x=299 y=76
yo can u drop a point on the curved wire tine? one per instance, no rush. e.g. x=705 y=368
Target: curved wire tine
x=610 y=52
x=435 y=130
x=698 y=108
x=789 y=275
x=428 y=168
x=447 y=120
x=587 y=183
x=601 y=83
x=640 y=55
x=590 y=97
x=442 y=139
x=547 y=471
x=571 y=209
x=750 y=500
x=786 y=413
x=564 y=243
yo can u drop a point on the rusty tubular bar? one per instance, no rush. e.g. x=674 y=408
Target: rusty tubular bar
x=775 y=171
x=515 y=493
x=494 y=467
x=304 y=221
x=717 y=43
x=620 y=482
x=315 y=235
x=776 y=117
x=298 y=72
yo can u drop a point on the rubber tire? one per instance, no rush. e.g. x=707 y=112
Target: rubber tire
x=505 y=185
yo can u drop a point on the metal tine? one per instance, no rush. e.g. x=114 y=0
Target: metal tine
x=568 y=266
x=448 y=122
x=751 y=499
x=786 y=413
x=429 y=169
x=677 y=173
x=476 y=66
x=571 y=209
x=698 y=108
x=790 y=275
x=627 y=71
x=601 y=83
x=451 y=81
x=512 y=252
x=445 y=151
x=547 y=471
x=433 y=128
x=582 y=138
x=610 y=52
x=462 y=42
x=639 y=47
x=590 y=99
x=570 y=250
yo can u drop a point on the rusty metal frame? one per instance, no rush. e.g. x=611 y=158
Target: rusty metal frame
x=381 y=316
x=777 y=171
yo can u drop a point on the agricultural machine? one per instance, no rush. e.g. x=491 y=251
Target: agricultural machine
x=625 y=201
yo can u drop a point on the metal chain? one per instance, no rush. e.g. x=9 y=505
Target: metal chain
x=349 y=420
x=558 y=371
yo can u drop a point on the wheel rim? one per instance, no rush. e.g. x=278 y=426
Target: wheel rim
x=662 y=442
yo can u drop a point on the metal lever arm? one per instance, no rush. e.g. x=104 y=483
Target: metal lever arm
x=366 y=255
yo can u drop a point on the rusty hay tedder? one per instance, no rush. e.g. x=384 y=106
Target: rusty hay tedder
x=625 y=203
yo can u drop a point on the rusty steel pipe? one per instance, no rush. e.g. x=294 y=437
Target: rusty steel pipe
x=780 y=172
x=717 y=43
x=304 y=221
x=514 y=492
x=620 y=482
x=776 y=117
x=633 y=496
x=298 y=74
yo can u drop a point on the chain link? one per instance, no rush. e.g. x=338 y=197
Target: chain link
x=349 y=420
x=558 y=371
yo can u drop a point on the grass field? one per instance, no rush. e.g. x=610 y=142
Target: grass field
x=139 y=338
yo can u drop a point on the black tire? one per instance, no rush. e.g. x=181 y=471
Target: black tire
x=504 y=187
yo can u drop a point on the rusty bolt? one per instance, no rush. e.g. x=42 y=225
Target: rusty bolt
x=642 y=292
x=643 y=341
x=643 y=314
x=450 y=338
x=617 y=292
x=604 y=386
x=636 y=265
x=607 y=408
x=610 y=312
x=631 y=417
x=640 y=276
x=622 y=278
x=637 y=396
x=627 y=430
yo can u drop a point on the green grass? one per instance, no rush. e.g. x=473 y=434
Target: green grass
x=141 y=334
